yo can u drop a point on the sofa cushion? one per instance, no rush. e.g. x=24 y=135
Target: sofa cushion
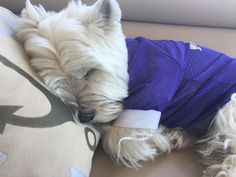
x=177 y=164
x=220 y=39
x=184 y=12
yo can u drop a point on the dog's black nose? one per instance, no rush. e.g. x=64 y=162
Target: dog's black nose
x=86 y=117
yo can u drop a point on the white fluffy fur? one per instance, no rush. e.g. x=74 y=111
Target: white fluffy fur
x=219 y=146
x=130 y=146
x=80 y=54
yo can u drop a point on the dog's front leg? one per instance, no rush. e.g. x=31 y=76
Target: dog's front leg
x=129 y=146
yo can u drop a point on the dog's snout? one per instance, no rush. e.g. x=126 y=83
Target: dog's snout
x=86 y=117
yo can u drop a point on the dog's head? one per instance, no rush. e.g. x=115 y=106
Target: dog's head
x=85 y=56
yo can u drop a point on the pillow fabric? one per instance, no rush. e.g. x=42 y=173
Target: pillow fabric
x=38 y=137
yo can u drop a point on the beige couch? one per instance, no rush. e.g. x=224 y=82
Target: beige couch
x=212 y=24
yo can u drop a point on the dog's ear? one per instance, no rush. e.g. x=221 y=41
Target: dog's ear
x=105 y=14
x=33 y=13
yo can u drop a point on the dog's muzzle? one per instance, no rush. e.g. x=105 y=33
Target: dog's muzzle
x=86 y=117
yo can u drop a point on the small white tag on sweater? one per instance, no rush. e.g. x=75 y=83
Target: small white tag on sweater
x=193 y=46
x=138 y=119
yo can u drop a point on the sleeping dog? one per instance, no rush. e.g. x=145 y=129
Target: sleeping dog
x=148 y=96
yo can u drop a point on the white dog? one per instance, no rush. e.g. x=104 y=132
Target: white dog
x=81 y=55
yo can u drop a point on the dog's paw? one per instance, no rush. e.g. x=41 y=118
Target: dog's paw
x=219 y=171
x=226 y=169
x=214 y=171
x=178 y=137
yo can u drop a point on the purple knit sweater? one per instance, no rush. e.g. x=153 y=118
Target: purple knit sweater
x=185 y=82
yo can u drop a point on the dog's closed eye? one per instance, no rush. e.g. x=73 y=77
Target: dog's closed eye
x=83 y=73
x=89 y=73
